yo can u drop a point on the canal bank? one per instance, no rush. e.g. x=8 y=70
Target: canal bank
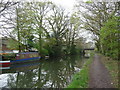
x=113 y=68
x=98 y=72
x=80 y=79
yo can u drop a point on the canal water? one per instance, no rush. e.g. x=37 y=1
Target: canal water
x=49 y=73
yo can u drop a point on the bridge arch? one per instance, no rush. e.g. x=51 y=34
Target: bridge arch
x=83 y=50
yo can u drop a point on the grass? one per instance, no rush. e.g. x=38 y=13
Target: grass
x=112 y=66
x=80 y=79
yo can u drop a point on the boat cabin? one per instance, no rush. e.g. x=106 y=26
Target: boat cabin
x=26 y=55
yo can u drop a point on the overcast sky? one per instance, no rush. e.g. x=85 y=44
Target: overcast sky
x=67 y=4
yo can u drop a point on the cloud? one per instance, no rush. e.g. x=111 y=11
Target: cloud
x=67 y=4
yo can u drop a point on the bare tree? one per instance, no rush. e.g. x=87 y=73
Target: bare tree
x=5 y=5
x=7 y=17
x=58 y=22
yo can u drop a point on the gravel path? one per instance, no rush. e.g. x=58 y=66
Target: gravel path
x=99 y=75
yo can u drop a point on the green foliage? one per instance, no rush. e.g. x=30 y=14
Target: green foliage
x=47 y=28
x=30 y=42
x=9 y=56
x=73 y=50
x=109 y=38
x=80 y=80
x=12 y=44
x=44 y=51
x=95 y=15
x=89 y=1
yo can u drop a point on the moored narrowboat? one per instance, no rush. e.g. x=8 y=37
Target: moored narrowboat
x=25 y=57
x=20 y=58
x=5 y=63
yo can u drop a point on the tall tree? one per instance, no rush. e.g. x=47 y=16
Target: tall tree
x=71 y=35
x=58 y=22
x=40 y=10
x=6 y=17
x=109 y=37
x=94 y=16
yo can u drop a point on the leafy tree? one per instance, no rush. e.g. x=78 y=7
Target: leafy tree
x=45 y=27
x=94 y=16
x=109 y=37
x=39 y=12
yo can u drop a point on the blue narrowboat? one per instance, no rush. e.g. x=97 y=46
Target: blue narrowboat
x=25 y=57
x=21 y=58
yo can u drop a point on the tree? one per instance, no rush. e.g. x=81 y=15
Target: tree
x=58 y=22
x=75 y=26
x=6 y=17
x=94 y=16
x=39 y=11
x=43 y=26
x=109 y=37
x=4 y=5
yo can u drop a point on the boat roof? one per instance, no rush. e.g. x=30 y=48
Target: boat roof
x=27 y=52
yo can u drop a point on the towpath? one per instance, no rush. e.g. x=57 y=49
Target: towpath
x=99 y=75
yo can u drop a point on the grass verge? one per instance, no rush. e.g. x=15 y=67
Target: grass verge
x=112 y=66
x=80 y=79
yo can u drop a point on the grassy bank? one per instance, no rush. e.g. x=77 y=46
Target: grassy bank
x=112 y=66
x=80 y=79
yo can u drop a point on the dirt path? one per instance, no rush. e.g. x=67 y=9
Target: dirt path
x=99 y=75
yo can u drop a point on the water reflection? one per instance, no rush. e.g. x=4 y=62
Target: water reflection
x=51 y=73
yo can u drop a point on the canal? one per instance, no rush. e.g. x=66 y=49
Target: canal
x=49 y=73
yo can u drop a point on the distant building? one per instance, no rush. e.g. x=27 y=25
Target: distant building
x=12 y=45
x=4 y=44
